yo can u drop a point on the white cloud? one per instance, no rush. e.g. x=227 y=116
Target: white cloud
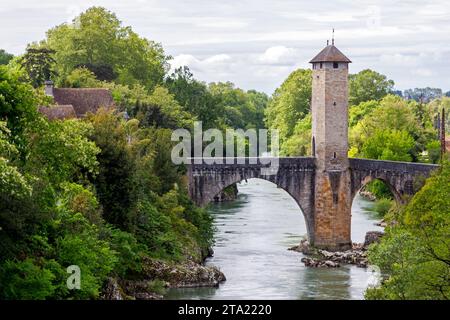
x=245 y=40
x=222 y=23
x=422 y=72
x=398 y=59
x=219 y=63
x=218 y=58
x=183 y=60
x=278 y=55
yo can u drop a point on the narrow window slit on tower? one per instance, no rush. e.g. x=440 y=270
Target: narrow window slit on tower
x=334 y=155
x=334 y=103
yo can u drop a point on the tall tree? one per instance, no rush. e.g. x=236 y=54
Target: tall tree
x=368 y=85
x=193 y=96
x=290 y=103
x=392 y=116
x=38 y=63
x=17 y=105
x=97 y=40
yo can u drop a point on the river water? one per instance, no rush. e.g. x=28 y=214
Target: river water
x=253 y=235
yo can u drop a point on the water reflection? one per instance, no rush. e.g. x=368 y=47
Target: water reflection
x=252 y=238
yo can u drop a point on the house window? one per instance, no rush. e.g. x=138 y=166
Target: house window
x=335 y=65
x=321 y=65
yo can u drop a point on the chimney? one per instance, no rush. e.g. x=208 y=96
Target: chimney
x=48 y=88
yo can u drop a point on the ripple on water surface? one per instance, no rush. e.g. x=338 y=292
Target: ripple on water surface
x=252 y=237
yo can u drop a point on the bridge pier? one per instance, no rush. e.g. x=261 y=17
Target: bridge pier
x=332 y=210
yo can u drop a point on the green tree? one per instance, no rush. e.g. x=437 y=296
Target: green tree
x=113 y=182
x=299 y=144
x=82 y=78
x=392 y=114
x=368 y=85
x=415 y=253
x=61 y=151
x=360 y=111
x=290 y=103
x=97 y=41
x=17 y=105
x=193 y=96
x=38 y=63
x=237 y=108
x=388 y=145
x=5 y=57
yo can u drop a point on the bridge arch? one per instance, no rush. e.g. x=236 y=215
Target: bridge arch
x=402 y=178
x=293 y=175
x=317 y=192
x=368 y=179
x=258 y=178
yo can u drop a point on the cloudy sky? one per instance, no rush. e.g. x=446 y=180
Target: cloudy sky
x=257 y=43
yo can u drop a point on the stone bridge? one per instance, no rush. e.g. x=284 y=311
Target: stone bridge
x=297 y=176
x=324 y=185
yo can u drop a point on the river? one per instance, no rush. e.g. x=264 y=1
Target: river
x=252 y=238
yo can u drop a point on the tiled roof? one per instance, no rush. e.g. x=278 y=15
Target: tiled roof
x=83 y=100
x=58 y=112
x=330 y=54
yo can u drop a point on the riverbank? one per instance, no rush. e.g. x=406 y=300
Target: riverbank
x=252 y=238
x=157 y=276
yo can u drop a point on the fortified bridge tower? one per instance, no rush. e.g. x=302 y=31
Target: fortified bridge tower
x=329 y=106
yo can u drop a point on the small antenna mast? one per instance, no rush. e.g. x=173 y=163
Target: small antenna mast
x=332 y=39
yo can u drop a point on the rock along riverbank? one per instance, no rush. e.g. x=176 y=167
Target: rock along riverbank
x=323 y=258
x=167 y=275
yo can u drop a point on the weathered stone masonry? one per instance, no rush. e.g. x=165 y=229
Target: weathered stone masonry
x=324 y=185
x=297 y=176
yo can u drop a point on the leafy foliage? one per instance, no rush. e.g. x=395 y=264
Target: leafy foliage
x=290 y=103
x=415 y=253
x=194 y=96
x=368 y=85
x=5 y=57
x=97 y=41
x=38 y=63
x=17 y=105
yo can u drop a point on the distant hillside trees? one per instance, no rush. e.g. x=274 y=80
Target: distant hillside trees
x=423 y=95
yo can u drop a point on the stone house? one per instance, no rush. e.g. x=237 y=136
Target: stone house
x=75 y=102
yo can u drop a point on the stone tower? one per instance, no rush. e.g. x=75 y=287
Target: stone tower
x=333 y=198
